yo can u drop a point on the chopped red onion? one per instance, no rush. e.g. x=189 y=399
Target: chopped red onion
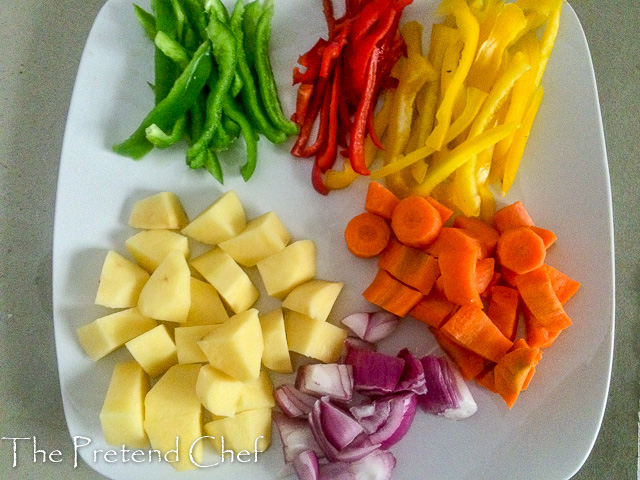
x=326 y=379
x=372 y=326
x=292 y=401
x=306 y=465
x=373 y=372
x=378 y=465
x=296 y=436
x=340 y=428
x=355 y=342
x=412 y=379
x=336 y=471
x=447 y=393
x=389 y=419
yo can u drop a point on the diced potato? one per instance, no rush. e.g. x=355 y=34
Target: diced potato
x=313 y=338
x=172 y=409
x=245 y=434
x=256 y=393
x=218 y=392
x=120 y=282
x=154 y=350
x=276 y=355
x=162 y=210
x=228 y=278
x=149 y=247
x=122 y=413
x=235 y=347
x=186 y=339
x=206 y=306
x=223 y=220
x=314 y=298
x=106 y=334
x=288 y=268
x=167 y=293
x=262 y=237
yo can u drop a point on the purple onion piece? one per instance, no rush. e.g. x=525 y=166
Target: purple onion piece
x=306 y=465
x=336 y=471
x=371 y=415
x=357 y=323
x=332 y=379
x=467 y=406
x=296 y=437
x=371 y=326
x=375 y=373
x=378 y=465
x=412 y=379
x=340 y=428
x=357 y=343
x=293 y=402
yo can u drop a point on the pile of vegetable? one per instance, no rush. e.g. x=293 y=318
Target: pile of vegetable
x=468 y=280
x=213 y=82
x=456 y=120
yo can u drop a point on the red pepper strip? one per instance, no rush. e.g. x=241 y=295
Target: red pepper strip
x=321 y=137
x=352 y=8
x=310 y=117
x=344 y=122
x=311 y=60
x=358 y=132
x=372 y=130
x=317 y=181
x=302 y=102
x=327 y=8
x=333 y=51
x=368 y=17
x=327 y=156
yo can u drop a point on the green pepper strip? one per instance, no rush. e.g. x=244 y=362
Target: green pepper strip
x=266 y=79
x=250 y=19
x=212 y=164
x=160 y=139
x=195 y=17
x=172 y=49
x=146 y=20
x=224 y=52
x=249 y=92
x=165 y=69
x=180 y=98
x=250 y=136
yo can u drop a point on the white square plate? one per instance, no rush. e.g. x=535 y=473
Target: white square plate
x=563 y=182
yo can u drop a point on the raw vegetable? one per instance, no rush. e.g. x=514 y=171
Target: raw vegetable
x=392 y=295
x=367 y=234
x=213 y=82
x=371 y=326
x=416 y=222
x=411 y=266
x=521 y=250
x=380 y=200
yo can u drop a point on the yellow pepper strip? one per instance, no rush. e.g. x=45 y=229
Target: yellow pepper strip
x=401 y=163
x=519 y=141
x=466 y=183
x=469 y=29
x=548 y=40
x=488 y=61
x=488 y=203
x=543 y=7
x=460 y=155
x=475 y=97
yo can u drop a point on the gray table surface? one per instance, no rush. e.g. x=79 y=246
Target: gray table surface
x=41 y=43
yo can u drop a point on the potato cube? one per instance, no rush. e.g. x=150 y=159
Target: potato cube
x=167 y=293
x=218 y=392
x=154 y=350
x=206 y=306
x=262 y=237
x=228 y=278
x=106 y=334
x=247 y=433
x=313 y=338
x=235 y=347
x=187 y=347
x=276 y=355
x=149 y=247
x=122 y=413
x=172 y=409
x=120 y=282
x=314 y=298
x=256 y=393
x=288 y=268
x=162 y=210
x=222 y=220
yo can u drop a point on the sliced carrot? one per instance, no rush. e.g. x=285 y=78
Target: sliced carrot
x=538 y=295
x=416 y=222
x=432 y=310
x=410 y=265
x=564 y=286
x=469 y=363
x=547 y=236
x=521 y=250
x=535 y=334
x=512 y=216
x=390 y=294
x=445 y=212
x=503 y=310
x=457 y=259
x=367 y=234
x=508 y=276
x=487 y=379
x=480 y=230
x=471 y=328
x=484 y=273
x=380 y=200
x=513 y=372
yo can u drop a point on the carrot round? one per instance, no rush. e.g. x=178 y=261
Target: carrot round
x=416 y=222
x=367 y=234
x=521 y=250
